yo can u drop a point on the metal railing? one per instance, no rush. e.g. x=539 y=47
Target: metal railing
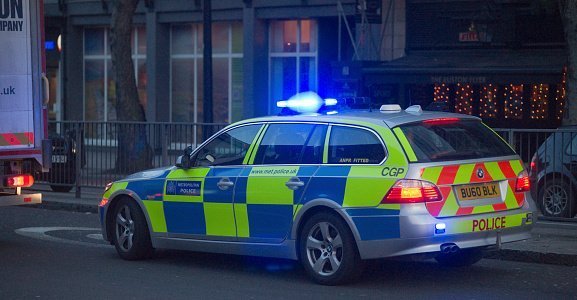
x=91 y=154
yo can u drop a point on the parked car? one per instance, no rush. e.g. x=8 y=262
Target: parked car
x=553 y=174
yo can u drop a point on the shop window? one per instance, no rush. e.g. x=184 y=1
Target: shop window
x=186 y=98
x=293 y=58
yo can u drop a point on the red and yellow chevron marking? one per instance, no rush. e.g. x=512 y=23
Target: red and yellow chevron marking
x=445 y=177
x=17 y=138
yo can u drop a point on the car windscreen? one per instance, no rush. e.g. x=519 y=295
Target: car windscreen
x=445 y=140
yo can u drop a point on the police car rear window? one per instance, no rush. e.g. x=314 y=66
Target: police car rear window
x=445 y=140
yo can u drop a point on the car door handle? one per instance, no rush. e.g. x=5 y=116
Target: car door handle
x=294 y=183
x=225 y=183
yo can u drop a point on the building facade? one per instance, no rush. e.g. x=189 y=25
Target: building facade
x=262 y=51
x=499 y=59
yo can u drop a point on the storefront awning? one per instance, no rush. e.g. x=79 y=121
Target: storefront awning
x=471 y=66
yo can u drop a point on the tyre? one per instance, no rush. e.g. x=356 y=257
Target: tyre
x=555 y=199
x=463 y=258
x=130 y=234
x=60 y=188
x=328 y=250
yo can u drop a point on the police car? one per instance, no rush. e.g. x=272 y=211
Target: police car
x=330 y=189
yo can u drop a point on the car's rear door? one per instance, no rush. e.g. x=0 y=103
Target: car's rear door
x=270 y=188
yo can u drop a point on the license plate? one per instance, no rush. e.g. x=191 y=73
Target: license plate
x=478 y=191
x=59 y=159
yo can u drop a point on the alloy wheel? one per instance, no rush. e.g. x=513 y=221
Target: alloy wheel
x=124 y=228
x=555 y=200
x=324 y=248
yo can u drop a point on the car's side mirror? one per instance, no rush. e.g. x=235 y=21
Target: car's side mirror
x=185 y=161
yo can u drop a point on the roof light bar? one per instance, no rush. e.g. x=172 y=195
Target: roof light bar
x=331 y=102
x=310 y=102
x=306 y=102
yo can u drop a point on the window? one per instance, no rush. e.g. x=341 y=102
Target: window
x=351 y=145
x=229 y=148
x=99 y=83
x=293 y=58
x=186 y=99
x=285 y=144
x=456 y=140
x=313 y=152
x=571 y=147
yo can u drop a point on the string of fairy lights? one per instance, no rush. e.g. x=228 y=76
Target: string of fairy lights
x=441 y=93
x=488 y=102
x=561 y=95
x=539 y=101
x=487 y=96
x=513 y=96
x=464 y=99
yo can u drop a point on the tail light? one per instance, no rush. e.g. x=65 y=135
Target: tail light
x=19 y=181
x=533 y=164
x=412 y=191
x=523 y=184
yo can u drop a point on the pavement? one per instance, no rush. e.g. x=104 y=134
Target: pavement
x=552 y=242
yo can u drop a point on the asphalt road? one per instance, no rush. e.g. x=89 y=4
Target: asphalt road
x=49 y=254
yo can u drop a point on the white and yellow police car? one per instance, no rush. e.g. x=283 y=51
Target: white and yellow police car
x=331 y=190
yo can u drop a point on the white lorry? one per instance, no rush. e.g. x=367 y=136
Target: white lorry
x=24 y=150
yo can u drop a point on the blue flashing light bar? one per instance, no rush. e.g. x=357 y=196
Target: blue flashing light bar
x=310 y=102
x=331 y=102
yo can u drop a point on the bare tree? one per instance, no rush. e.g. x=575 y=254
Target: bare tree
x=568 y=10
x=134 y=153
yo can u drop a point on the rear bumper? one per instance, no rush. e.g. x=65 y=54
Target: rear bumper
x=22 y=199
x=417 y=234
x=400 y=247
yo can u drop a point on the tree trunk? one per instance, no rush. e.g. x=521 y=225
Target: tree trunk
x=134 y=153
x=568 y=10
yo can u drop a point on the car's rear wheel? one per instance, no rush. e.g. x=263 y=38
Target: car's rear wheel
x=328 y=250
x=131 y=237
x=556 y=197
x=463 y=258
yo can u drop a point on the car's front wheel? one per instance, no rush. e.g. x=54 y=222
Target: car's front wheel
x=556 y=199
x=130 y=232
x=328 y=250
